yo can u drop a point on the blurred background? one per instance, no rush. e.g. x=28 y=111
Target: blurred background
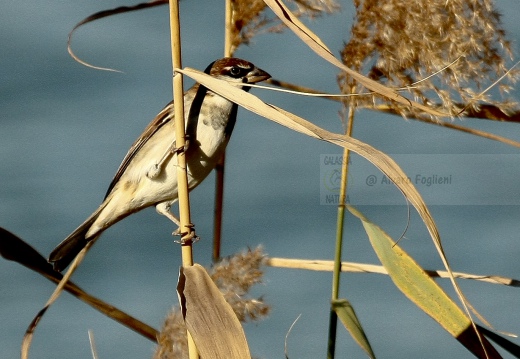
x=64 y=128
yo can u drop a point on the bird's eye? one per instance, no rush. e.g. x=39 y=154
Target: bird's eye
x=235 y=71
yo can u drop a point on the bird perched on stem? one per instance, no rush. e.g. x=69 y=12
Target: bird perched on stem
x=148 y=174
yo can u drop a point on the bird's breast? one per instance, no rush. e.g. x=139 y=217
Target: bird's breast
x=207 y=136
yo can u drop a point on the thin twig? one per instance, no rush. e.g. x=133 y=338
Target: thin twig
x=484 y=111
x=286 y=351
x=221 y=164
x=92 y=344
x=489 y=87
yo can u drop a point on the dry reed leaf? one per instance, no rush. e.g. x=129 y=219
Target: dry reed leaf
x=313 y=41
x=488 y=112
x=210 y=320
x=14 y=248
x=234 y=276
x=100 y=15
x=247 y=18
x=382 y=161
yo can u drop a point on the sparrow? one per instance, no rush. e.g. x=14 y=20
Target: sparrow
x=148 y=174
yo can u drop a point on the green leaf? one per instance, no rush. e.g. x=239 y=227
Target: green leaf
x=347 y=315
x=415 y=283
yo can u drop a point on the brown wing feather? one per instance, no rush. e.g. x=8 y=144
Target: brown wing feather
x=160 y=120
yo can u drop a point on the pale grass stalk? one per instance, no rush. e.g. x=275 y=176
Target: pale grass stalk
x=229 y=27
x=180 y=140
x=353 y=267
x=182 y=177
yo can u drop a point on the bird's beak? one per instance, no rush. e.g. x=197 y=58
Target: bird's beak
x=257 y=75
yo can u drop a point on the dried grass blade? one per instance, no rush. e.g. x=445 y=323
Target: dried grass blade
x=29 y=333
x=382 y=161
x=488 y=112
x=313 y=41
x=102 y=14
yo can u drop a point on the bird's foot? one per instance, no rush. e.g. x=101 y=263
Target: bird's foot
x=186 y=237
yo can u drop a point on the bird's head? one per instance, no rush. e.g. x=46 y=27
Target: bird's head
x=237 y=70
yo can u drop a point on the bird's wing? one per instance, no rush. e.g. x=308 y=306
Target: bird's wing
x=160 y=120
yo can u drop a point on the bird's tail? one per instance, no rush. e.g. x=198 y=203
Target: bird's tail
x=69 y=248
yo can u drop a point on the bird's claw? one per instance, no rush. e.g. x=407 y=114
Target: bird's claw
x=181 y=241
x=180 y=149
x=186 y=237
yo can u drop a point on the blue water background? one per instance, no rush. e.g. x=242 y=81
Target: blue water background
x=64 y=129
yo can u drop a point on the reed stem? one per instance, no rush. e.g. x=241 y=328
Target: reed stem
x=180 y=140
x=340 y=220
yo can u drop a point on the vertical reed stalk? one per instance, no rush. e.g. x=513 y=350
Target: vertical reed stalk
x=182 y=177
x=221 y=165
x=333 y=318
x=219 y=207
x=228 y=23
